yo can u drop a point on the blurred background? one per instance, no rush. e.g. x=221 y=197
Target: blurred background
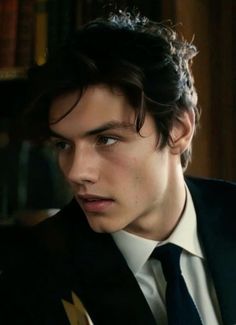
x=31 y=186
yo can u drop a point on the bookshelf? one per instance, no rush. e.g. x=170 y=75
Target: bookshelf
x=12 y=73
x=29 y=29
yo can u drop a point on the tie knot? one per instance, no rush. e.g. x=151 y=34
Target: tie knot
x=169 y=256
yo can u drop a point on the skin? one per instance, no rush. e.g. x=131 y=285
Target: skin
x=100 y=153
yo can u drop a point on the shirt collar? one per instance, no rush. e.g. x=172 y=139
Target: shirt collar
x=136 y=250
x=185 y=234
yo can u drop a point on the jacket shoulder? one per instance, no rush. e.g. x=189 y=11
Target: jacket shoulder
x=212 y=187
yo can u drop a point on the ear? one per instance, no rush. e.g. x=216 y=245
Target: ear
x=182 y=132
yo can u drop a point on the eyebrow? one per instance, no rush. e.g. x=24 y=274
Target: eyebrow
x=112 y=125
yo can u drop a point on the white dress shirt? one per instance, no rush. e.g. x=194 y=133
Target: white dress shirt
x=137 y=250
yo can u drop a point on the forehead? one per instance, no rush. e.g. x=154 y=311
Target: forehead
x=97 y=105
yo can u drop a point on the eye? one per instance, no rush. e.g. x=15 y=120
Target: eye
x=106 y=140
x=60 y=145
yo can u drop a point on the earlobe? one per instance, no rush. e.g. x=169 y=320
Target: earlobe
x=182 y=132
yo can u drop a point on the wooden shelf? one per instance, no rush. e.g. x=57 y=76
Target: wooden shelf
x=13 y=73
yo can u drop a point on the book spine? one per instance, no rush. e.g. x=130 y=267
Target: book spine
x=53 y=25
x=1 y=15
x=24 y=49
x=41 y=31
x=8 y=32
x=79 y=17
x=66 y=18
x=61 y=22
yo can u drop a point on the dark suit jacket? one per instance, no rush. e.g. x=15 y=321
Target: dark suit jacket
x=65 y=255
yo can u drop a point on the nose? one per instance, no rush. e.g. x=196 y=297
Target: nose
x=83 y=167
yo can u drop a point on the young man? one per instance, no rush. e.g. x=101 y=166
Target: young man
x=118 y=103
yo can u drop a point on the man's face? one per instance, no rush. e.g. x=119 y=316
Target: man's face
x=120 y=178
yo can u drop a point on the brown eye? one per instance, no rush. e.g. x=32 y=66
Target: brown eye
x=106 y=141
x=61 y=145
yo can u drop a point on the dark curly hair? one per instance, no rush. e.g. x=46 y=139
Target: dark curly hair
x=147 y=61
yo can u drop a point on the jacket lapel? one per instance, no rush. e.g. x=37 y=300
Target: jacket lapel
x=214 y=205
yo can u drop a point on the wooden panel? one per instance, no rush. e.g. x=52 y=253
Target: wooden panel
x=212 y=23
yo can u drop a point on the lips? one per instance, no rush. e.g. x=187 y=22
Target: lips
x=94 y=203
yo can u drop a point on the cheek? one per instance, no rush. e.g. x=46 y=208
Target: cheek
x=129 y=167
x=131 y=174
x=64 y=164
x=148 y=177
x=122 y=174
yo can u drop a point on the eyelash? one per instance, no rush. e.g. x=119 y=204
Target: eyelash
x=60 y=145
x=100 y=139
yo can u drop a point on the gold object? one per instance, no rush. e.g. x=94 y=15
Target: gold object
x=76 y=312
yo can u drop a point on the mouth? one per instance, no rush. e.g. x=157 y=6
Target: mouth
x=94 y=203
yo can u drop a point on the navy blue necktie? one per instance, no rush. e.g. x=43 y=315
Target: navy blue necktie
x=180 y=307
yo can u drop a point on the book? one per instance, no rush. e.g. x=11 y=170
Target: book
x=53 y=25
x=8 y=32
x=41 y=31
x=13 y=73
x=66 y=19
x=79 y=17
x=61 y=21
x=25 y=30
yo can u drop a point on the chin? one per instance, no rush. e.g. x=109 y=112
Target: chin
x=100 y=226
